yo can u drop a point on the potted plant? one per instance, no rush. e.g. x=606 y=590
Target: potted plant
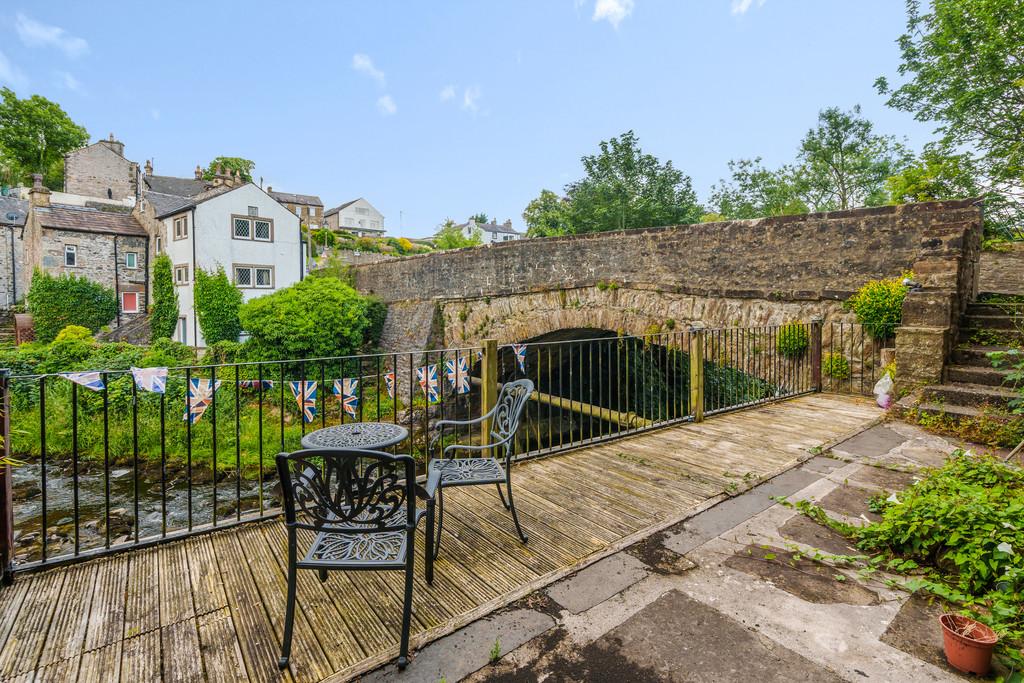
x=968 y=643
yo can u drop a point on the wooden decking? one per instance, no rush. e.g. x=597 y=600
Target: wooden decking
x=212 y=606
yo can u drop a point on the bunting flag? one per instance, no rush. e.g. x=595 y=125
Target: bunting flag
x=479 y=356
x=427 y=377
x=458 y=374
x=89 y=380
x=345 y=390
x=267 y=384
x=200 y=396
x=389 y=380
x=305 y=396
x=150 y=379
x=520 y=351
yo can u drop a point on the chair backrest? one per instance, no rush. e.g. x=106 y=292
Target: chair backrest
x=348 y=490
x=509 y=409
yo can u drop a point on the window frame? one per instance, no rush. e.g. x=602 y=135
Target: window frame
x=252 y=268
x=181 y=283
x=252 y=228
x=71 y=249
x=159 y=244
x=125 y=309
x=182 y=222
x=131 y=256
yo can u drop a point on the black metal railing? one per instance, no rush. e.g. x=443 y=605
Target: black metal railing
x=854 y=356
x=111 y=465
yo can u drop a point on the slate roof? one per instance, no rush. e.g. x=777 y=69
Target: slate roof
x=18 y=208
x=291 y=198
x=182 y=187
x=85 y=219
x=331 y=212
x=171 y=206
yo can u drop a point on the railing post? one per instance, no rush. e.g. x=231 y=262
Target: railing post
x=488 y=384
x=697 y=373
x=816 y=324
x=6 y=497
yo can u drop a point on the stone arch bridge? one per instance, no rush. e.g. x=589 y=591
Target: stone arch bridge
x=736 y=273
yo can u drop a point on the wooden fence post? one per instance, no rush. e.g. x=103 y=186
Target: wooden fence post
x=697 y=373
x=488 y=385
x=816 y=324
x=6 y=497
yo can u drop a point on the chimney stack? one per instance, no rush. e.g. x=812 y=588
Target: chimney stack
x=199 y=172
x=114 y=145
x=269 y=189
x=38 y=195
x=508 y=222
x=149 y=167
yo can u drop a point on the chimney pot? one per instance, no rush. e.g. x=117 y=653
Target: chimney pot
x=269 y=189
x=37 y=181
x=149 y=167
x=111 y=137
x=199 y=172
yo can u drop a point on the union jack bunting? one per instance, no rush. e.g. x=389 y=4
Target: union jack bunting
x=427 y=377
x=89 y=380
x=345 y=390
x=479 y=355
x=305 y=396
x=150 y=379
x=520 y=351
x=389 y=380
x=255 y=384
x=200 y=396
x=458 y=374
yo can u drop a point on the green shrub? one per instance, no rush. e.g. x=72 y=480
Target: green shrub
x=835 y=365
x=217 y=305
x=879 y=305
x=166 y=352
x=74 y=332
x=56 y=302
x=793 y=340
x=164 y=318
x=222 y=352
x=376 y=314
x=317 y=317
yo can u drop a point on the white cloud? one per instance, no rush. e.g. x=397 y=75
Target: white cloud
x=10 y=74
x=386 y=105
x=447 y=93
x=69 y=81
x=37 y=34
x=363 y=64
x=740 y=7
x=612 y=11
x=470 y=98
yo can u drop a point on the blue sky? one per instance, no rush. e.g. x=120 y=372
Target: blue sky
x=438 y=109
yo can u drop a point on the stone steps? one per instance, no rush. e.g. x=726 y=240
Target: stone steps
x=976 y=355
x=977 y=374
x=1014 y=309
x=992 y=322
x=968 y=394
x=985 y=336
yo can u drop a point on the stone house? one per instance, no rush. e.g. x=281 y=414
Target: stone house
x=101 y=170
x=309 y=208
x=234 y=224
x=358 y=217
x=108 y=247
x=491 y=232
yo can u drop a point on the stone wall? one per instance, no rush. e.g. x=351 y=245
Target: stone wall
x=15 y=277
x=95 y=169
x=1002 y=272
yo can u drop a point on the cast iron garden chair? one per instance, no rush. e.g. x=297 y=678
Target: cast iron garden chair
x=362 y=507
x=482 y=465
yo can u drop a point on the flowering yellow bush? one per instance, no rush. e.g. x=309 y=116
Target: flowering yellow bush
x=879 y=305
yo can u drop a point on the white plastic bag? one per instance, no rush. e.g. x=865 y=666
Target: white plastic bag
x=883 y=391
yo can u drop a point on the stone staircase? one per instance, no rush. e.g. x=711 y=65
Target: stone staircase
x=971 y=381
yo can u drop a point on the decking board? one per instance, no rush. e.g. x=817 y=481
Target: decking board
x=212 y=606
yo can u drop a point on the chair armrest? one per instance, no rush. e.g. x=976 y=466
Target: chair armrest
x=429 y=489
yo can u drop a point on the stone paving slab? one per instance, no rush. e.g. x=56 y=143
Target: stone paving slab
x=873 y=442
x=598 y=582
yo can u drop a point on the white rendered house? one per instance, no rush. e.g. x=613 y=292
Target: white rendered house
x=358 y=217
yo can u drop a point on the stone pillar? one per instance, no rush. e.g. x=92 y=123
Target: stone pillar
x=924 y=339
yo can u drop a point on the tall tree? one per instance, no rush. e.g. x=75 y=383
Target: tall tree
x=480 y=218
x=754 y=191
x=936 y=174
x=846 y=163
x=164 y=318
x=547 y=215
x=451 y=236
x=35 y=134
x=229 y=164
x=626 y=188
x=963 y=61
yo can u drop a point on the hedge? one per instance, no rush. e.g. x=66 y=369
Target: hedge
x=56 y=302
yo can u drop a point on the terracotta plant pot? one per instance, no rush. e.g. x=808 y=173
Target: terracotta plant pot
x=968 y=643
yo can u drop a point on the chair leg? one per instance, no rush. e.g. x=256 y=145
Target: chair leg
x=512 y=507
x=289 y=614
x=322 y=573
x=403 y=649
x=428 y=547
x=440 y=520
x=501 y=494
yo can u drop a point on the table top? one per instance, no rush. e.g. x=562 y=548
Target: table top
x=368 y=435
